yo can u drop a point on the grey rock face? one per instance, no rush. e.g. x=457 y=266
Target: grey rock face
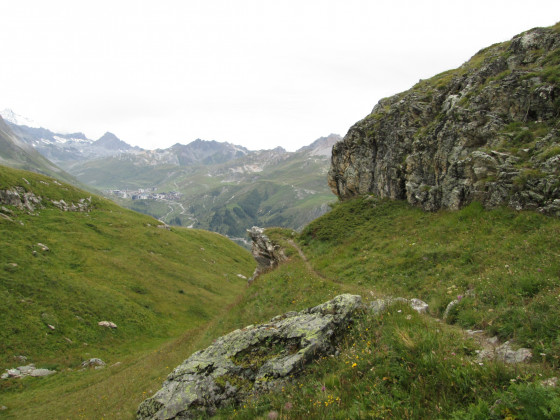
x=267 y=254
x=256 y=358
x=485 y=132
x=20 y=198
x=506 y=354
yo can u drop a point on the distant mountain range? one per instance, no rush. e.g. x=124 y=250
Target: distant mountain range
x=211 y=185
x=16 y=153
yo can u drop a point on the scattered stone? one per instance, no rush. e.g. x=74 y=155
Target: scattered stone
x=380 y=305
x=43 y=247
x=506 y=354
x=107 y=324
x=3 y=407
x=84 y=205
x=241 y=276
x=493 y=340
x=51 y=326
x=8 y=218
x=550 y=382
x=449 y=308
x=21 y=358
x=41 y=372
x=254 y=359
x=418 y=305
x=68 y=340
x=93 y=363
x=28 y=370
x=267 y=254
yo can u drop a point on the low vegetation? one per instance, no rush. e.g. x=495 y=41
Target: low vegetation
x=108 y=264
x=501 y=265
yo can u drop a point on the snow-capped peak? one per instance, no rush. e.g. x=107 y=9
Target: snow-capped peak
x=17 y=119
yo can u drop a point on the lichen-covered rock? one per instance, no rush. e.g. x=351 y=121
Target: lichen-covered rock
x=487 y=132
x=255 y=358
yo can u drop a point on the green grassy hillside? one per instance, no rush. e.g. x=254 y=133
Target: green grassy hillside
x=108 y=264
x=169 y=298
x=504 y=265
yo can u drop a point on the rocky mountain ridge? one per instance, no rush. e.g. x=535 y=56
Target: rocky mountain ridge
x=18 y=154
x=487 y=132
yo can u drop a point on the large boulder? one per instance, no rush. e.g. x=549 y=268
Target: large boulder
x=255 y=358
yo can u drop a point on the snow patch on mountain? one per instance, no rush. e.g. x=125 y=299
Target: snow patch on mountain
x=14 y=118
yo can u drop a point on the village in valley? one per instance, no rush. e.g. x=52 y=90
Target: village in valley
x=145 y=194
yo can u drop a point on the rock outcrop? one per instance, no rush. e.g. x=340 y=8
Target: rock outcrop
x=256 y=358
x=28 y=201
x=27 y=370
x=487 y=131
x=267 y=254
x=20 y=198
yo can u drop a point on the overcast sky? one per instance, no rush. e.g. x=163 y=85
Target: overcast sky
x=252 y=72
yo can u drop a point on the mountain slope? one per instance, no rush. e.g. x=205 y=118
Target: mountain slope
x=499 y=267
x=16 y=153
x=65 y=149
x=64 y=271
x=219 y=186
x=487 y=131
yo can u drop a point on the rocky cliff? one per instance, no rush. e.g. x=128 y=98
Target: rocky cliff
x=487 y=131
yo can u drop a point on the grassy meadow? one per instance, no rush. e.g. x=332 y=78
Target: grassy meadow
x=172 y=292
x=160 y=287
x=503 y=264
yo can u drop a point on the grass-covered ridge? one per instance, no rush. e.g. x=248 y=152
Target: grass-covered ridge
x=503 y=265
x=405 y=365
x=398 y=365
x=106 y=264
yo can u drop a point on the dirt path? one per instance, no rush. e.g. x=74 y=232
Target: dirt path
x=491 y=348
x=306 y=262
